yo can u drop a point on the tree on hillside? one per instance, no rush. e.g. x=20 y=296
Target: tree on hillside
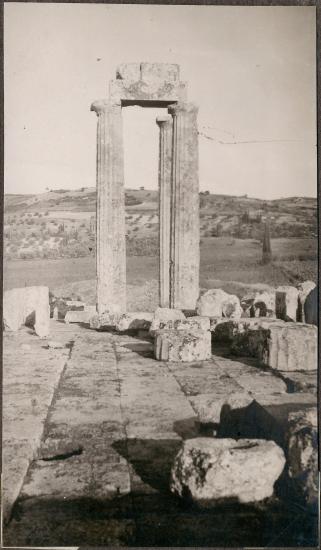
x=266 y=244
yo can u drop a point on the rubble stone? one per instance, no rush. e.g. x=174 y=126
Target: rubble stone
x=286 y=303
x=164 y=314
x=181 y=345
x=209 y=470
x=303 y=453
x=304 y=290
x=140 y=320
x=27 y=305
x=103 y=321
x=79 y=316
x=217 y=303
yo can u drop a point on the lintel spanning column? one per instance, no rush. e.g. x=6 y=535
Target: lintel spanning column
x=184 y=230
x=110 y=210
x=164 y=182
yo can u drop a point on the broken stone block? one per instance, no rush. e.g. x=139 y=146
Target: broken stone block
x=303 y=453
x=311 y=307
x=75 y=305
x=290 y=347
x=208 y=406
x=191 y=323
x=164 y=314
x=140 y=320
x=231 y=307
x=181 y=345
x=304 y=290
x=159 y=71
x=27 y=305
x=286 y=303
x=207 y=470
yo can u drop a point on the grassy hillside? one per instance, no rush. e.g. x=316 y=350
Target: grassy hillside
x=61 y=223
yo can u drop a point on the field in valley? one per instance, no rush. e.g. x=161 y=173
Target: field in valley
x=49 y=239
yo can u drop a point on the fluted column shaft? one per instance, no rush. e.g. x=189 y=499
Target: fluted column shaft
x=110 y=210
x=164 y=183
x=184 y=230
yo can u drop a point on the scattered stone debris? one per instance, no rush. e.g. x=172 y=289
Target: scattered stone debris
x=52 y=344
x=217 y=303
x=207 y=470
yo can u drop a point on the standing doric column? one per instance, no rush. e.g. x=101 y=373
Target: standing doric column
x=164 y=184
x=185 y=235
x=110 y=211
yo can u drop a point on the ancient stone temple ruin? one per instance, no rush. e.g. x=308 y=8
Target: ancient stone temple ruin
x=149 y=85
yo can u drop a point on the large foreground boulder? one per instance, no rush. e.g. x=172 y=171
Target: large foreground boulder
x=182 y=345
x=28 y=305
x=207 y=470
x=217 y=303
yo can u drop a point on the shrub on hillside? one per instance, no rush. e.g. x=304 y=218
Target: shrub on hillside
x=142 y=246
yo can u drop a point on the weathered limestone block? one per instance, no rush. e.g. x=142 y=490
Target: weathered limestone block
x=208 y=406
x=140 y=320
x=162 y=71
x=304 y=290
x=236 y=331
x=181 y=345
x=191 y=323
x=128 y=71
x=290 y=347
x=231 y=307
x=311 y=307
x=28 y=305
x=164 y=314
x=286 y=303
x=75 y=305
x=303 y=453
x=209 y=470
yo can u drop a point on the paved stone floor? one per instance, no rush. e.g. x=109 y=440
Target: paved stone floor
x=90 y=432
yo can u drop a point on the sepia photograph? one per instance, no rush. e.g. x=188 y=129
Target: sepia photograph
x=160 y=276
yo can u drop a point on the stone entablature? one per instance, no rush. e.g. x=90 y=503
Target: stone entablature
x=149 y=84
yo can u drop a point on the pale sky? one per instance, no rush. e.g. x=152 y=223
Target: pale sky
x=251 y=71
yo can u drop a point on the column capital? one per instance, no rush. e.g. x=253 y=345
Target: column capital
x=181 y=107
x=163 y=120
x=99 y=106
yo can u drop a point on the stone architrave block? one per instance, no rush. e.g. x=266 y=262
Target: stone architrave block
x=167 y=72
x=27 y=305
x=128 y=71
x=80 y=316
x=181 y=345
x=211 y=470
x=303 y=453
x=304 y=290
x=287 y=303
x=163 y=315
